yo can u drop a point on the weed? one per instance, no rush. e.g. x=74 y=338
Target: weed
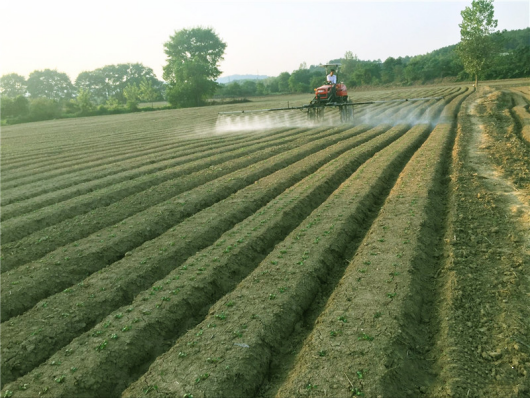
x=281 y=289
x=73 y=369
x=148 y=389
x=272 y=296
x=391 y=295
x=367 y=263
x=8 y=393
x=357 y=392
x=126 y=328
x=202 y=377
x=274 y=262
x=322 y=353
x=342 y=319
x=114 y=336
x=182 y=354
x=377 y=315
x=211 y=325
x=333 y=333
x=237 y=333
x=60 y=379
x=359 y=373
x=213 y=360
x=221 y=316
x=230 y=304
x=311 y=386
x=102 y=346
x=365 y=336
x=362 y=271
x=119 y=315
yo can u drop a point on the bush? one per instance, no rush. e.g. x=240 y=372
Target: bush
x=44 y=109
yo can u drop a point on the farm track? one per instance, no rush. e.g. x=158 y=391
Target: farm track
x=263 y=313
x=279 y=273
x=96 y=252
x=483 y=302
x=246 y=245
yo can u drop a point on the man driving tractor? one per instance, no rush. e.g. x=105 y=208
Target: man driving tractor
x=332 y=78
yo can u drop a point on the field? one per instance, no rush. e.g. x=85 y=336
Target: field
x=172 y=254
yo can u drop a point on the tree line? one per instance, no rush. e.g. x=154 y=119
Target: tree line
x=48 y=94
x=192 y=68
x=511 y=60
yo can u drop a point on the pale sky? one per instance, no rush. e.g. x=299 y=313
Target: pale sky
x=263 y=37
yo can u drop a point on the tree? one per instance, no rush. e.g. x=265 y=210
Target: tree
x=192 y=65
x=83 y=101
x=12 y=85
x=95 y=83
x=132 y=94
x=476 y=47
x=50 y=84
x=14 y=107
x=147 y=92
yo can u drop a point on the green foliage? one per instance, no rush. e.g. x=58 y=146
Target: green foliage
x=477 y=46
x=14 y=107
x=44 y=109
x=83 y=101
x=148 y=93
x=132 y=95
x=193 y=57
x=111 y=80
x=50 y=84
x=12 y=85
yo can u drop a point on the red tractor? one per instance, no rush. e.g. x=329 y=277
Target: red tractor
x=331 y=94
x=328 y=95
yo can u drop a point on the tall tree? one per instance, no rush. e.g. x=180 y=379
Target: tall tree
x=148 y=93
x=50 y=84
x=192 y=65
x=477 y=47
x=12 y=85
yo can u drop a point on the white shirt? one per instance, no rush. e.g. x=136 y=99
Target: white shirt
x=332 y=79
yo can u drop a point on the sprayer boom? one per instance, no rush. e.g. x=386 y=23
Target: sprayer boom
x=328 y=104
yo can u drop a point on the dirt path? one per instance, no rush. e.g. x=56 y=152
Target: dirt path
x=483 y=318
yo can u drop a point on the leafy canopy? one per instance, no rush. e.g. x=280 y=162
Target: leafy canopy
x=192 y=65
x=477 y=47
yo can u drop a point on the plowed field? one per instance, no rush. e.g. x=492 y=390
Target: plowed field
x=172 y=254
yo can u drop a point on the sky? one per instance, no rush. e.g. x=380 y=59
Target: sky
x=262 y=37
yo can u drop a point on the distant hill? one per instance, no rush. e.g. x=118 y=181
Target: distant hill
x=233 y=78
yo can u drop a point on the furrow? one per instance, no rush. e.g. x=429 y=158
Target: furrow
x=252 y=321
x=141 y=175
x=44 y=241
x=213 y=272
x=17 y=227
x=23 y=286
x=356 y=346
x=121 y=159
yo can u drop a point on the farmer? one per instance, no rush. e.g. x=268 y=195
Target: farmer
x=332 y=78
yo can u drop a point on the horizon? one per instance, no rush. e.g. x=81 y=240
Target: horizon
x=371 y=30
